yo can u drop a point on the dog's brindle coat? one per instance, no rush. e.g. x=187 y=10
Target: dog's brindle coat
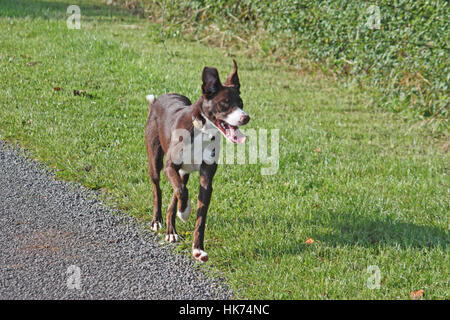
x=220 y=107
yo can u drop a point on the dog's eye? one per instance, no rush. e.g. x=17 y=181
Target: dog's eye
x=224 y=103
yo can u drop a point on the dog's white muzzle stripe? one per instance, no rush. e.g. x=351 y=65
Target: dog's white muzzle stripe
x=234 y=118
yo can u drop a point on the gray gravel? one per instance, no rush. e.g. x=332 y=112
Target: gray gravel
x=47 y=226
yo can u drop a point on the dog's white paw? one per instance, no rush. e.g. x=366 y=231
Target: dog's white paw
x=156 y=225
x=184 y=216
x=200 y=255
x=172 y=237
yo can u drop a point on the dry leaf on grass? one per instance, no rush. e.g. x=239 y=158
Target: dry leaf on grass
x=415 y=295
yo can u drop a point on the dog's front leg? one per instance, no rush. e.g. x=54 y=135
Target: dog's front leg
x=206 y=177
x=180 y=198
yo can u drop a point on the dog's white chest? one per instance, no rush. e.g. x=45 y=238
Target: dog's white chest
x=205 y=147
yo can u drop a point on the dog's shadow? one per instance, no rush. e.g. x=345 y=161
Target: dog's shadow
x=350 y=230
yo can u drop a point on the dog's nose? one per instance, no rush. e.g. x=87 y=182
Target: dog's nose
x=245 y=118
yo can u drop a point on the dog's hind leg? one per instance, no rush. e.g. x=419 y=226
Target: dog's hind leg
x=155 y=164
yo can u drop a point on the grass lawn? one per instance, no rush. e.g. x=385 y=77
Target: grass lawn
x=370 y=187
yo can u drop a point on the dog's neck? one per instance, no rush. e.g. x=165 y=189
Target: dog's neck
x=197 y=111
x=199 y=120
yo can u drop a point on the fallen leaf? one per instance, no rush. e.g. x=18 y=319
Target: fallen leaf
x=309 y=240
x=318 y=150
x=415 y=295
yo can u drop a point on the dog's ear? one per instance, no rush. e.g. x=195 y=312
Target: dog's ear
x=211 y=82
x=233 y=79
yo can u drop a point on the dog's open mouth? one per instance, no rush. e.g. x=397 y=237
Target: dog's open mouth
x=232 y=133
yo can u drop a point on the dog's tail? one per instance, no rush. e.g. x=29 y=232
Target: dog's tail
x=150 y=98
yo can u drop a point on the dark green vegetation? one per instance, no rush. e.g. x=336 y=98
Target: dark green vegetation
x=405 y=56
x=370 y=186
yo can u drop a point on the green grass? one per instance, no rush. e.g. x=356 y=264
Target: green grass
x=376 y=193
x=405 y=56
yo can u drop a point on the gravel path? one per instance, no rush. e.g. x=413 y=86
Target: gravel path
x=53 y=231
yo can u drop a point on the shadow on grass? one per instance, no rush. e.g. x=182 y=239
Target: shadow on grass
x=58 y=10
x=352 y=230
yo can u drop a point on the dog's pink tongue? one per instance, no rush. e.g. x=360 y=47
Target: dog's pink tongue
x=235 y=135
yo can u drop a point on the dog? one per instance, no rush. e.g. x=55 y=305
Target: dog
x=172 y=127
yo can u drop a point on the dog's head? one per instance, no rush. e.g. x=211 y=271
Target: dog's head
x=222 y=104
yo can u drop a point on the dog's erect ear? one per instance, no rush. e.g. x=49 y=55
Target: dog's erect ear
x=211 y=82
x=233 y=79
